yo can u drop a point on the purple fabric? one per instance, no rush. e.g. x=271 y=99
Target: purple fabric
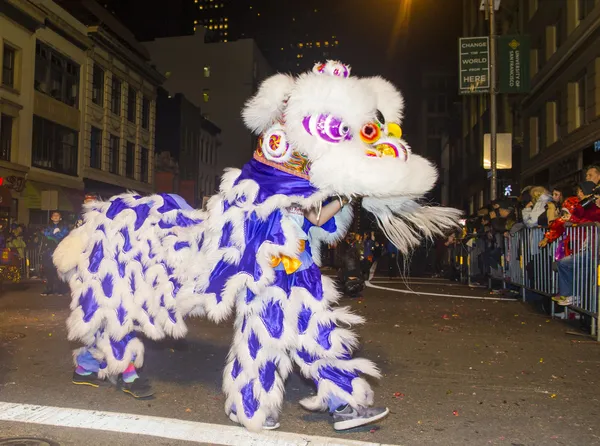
x=310 y=279
x=88 y=305
x=118 y=347
x=180 y=245
x=249 y=401
x=226 y=235
x=324 y=336
x=115 y=208
x=96 y=257
x=341 y=378
x=236 y=369
x=272 y=317
x=266 y=375
x=126 y=240
x=176 y=285
x=303 y=319
x=107 y=285
x=306 y=356
x=141 y=214
x=253 y=345
x=272 y=181
x=121 y=314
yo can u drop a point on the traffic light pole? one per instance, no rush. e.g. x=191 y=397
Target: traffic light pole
x=493 y=115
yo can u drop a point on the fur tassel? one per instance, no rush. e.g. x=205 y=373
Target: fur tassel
x=404 y=221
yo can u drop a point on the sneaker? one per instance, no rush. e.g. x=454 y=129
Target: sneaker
x=348 y=417
x=91 y=380
x=140 y=388
x=565 y=300
x=269 y=424
x=46 y=293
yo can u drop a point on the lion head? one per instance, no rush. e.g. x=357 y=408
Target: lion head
x=348 y=132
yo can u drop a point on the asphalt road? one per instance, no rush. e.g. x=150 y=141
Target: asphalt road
x=456 y=371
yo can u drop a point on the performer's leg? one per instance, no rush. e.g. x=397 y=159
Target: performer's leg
x=324 y=354
x=107 y=358
x=258 y=361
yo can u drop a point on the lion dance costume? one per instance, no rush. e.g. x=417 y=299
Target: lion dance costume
x=144 y=264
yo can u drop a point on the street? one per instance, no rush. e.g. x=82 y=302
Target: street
x=456 y=371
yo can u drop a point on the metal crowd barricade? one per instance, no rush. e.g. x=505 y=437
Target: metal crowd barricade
x=530 y=267
x=33 y=262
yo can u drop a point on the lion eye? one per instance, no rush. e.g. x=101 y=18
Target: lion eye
x=379 y=118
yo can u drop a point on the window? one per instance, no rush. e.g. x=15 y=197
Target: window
x=130 y=160
x=56 y=75
x=113 y=154
x=558 y=30
x=144 y=159
x=96 y=148
x=581 y=101
x=205 y=95
x=541 y=53
x=557 y=118
x=98 y=85
x=115 y=100
x=131 y=104
x=6 y=126
x=206 y=71
x=54 y=147
x=584 y=8
x=145 y=112
x=8 y=66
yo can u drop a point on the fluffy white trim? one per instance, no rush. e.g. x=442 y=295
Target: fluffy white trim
x=268 y=104
x=319 y=236
x=390 y=101
x=66 y=255
x=404 y=222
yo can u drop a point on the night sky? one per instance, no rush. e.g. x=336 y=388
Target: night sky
x=398 y=39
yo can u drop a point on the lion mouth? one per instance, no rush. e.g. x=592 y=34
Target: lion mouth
x=388 y=150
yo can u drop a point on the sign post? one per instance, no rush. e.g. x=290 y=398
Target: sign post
x=474 y=65
x=513 y=61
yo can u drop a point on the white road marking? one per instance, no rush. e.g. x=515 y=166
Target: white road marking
x=369 y=284
x=162 y=427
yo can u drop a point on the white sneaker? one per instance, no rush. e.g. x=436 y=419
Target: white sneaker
x=348 y=417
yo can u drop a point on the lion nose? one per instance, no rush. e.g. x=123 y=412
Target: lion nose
x=394 y=130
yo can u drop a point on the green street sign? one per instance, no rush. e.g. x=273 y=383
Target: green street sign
x=474 y=65
x=513 y=63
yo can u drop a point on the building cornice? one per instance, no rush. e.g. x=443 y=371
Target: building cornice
x=22 y=13
x=574 y=143
x=576 y=41
x=103 y=38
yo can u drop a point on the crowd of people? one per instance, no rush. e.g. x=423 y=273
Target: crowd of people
x=27 y=250
x=551 y=209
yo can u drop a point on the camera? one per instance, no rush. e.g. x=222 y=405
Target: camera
x=592 y=197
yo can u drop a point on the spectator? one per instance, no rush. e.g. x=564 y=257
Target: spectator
x=53 y=235
x=536 y=207
x=89 y=197
x=17 y=242
x=575 y=250
x=592 y=173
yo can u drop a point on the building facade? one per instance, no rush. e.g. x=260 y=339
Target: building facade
x=56 y=127
x=438 y=118
x=471 y=186
x=120 y=88
x=562 y=111
x=219 y=78
x=193 y=141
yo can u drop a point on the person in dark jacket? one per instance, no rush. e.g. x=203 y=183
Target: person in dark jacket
x=53 y=235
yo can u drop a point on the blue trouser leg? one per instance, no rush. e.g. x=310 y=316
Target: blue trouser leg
x=565 y=276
